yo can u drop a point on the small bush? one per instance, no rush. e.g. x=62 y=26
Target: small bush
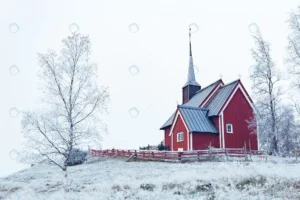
x=204 y=187
x=171 y=186
x=77 y=157
x=116 y=188
x=149 y=187
x=252 y=181
x=162 y=147
x=126 y=187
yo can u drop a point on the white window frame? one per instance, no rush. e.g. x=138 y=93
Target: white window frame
x=229 y=125
x=180 y=137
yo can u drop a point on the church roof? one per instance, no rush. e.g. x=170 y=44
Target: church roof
x=219 y=99
x=214 y=106
x=168 y=122
x=201 y=95
x=195 y=101
x=197 y=119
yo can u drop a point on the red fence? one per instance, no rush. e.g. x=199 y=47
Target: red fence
x=185 y=156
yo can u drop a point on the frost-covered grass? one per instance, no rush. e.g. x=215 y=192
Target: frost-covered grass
x=115 y=179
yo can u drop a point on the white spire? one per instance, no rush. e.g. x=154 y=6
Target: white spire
x=191 y=80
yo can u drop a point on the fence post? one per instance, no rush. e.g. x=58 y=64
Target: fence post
x=209 y=153
x=245 y=151
x=266 y=154
x=129 y=153
x=152 y=155
x=179 y=156
x=198 y=156
x=226 y=154
x=135 y=154
x=250 y=150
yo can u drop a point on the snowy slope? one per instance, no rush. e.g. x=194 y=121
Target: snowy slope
x=116 y=179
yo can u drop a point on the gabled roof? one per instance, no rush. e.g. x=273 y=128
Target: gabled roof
x=168 y=122
x=197 y=119
x=220 y=97
x=195 y=101
x=201 y=95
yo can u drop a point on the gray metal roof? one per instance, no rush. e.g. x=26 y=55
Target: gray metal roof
x=197 y=119
x=195 y=101
x=168 y=122
x=217 y=102
x=199 y=97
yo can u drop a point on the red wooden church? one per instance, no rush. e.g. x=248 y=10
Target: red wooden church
x=215 y=115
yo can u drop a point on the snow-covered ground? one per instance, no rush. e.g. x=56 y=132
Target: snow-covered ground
x=102 y=179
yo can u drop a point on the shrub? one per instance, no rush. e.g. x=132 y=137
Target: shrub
x=251 y=181
x=148 y=187
x=116 y=187
x=162 y=147
x=77 y=157
x=126 y=187
x=171 y=186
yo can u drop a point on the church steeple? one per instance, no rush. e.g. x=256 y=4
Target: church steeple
x=190 y=42
x=191 y=86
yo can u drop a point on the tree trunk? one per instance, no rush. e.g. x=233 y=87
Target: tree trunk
x=66 y=182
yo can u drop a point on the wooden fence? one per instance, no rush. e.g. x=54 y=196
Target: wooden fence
x=186 y=156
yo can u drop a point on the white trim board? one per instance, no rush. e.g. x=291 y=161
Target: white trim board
x=223 y=135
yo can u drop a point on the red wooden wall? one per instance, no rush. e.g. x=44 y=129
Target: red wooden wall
x=167 y=140
x=203 y=140
x=179 y=127
x=236 y=113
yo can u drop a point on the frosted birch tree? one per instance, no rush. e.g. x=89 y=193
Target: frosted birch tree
x=265 y=84
x=73 y=104
x=294 y=47
x=288 y=131
x=293 y=56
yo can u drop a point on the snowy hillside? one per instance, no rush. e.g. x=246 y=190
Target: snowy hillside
x=116 y=179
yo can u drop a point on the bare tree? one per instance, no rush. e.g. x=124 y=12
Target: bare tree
x=73 y=104
x=293 y=56
x=265 y=77
x=288 y=135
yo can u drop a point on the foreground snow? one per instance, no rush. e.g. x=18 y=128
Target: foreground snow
x=116 y=179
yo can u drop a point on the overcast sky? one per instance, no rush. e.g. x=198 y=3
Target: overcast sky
x=157 y=44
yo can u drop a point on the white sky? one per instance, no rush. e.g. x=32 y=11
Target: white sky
x=159 y=49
